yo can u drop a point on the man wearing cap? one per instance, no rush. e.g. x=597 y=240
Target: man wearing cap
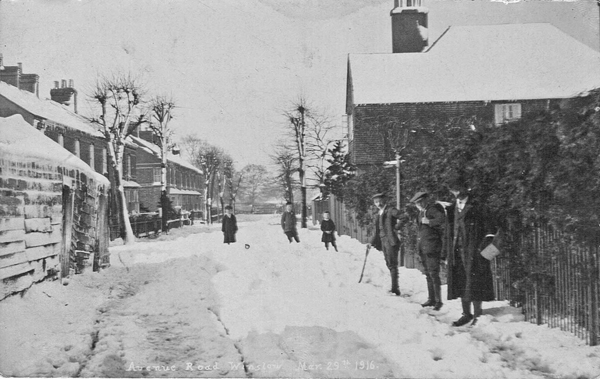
x=386 y=238
x=431 y=222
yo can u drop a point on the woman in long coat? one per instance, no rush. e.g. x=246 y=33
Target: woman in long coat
x=469 y=273
x=229 y=226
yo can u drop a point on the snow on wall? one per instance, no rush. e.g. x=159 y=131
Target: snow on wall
x=35 y=173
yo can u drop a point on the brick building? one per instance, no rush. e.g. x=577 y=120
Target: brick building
x=53 y=209
x=75 y=133
x=184 y=181
x=495 y=72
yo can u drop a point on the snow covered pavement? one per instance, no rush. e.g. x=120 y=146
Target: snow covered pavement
x=187 y=305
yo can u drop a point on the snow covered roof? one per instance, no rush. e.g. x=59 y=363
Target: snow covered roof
x=47 y=109
x=475 y=63
x=18 y=138
x=153 y=149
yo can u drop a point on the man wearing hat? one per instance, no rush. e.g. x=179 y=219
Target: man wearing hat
x=431 y=222
x=386 y=238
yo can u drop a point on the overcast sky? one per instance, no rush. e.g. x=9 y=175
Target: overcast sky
x=233 y=66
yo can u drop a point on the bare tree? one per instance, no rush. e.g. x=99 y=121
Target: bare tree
x=318 y=139
x=287 y=167
x=161 y=110
x=234 y=186
x=119 y=98
x=207 y=158
x=223 y=177
x=297 y=125
x=255 y=178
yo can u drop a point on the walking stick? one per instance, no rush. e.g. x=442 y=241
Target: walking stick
x=364 y=264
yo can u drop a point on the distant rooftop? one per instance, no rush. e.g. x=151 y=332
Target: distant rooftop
x=475 y=63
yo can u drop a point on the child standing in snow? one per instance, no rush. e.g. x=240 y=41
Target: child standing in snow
x=229 y=226
x=288 y=223
x=328 y=228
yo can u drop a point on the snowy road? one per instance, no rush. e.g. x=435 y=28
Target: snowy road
x=190 y=306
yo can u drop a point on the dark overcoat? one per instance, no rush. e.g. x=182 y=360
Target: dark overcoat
x=328 y=226
x=229 y=228
x=431 y=235
x=470 y=274
x=288 y=221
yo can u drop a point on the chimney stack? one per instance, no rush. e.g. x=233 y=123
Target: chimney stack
x=409 y=26
x=63 y=94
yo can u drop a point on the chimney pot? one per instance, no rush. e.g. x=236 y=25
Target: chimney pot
x=20 y=66
x=71 y=85
x=56 y=84
x=63 y=83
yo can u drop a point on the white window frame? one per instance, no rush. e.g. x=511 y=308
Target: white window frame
x=77 y=149
x=61 y=140
x=507 y=112
x=156 y=175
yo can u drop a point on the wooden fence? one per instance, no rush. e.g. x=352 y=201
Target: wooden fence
x=555 y=280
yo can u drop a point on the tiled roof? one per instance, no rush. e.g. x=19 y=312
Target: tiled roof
x=47 y=109
x=474 y=63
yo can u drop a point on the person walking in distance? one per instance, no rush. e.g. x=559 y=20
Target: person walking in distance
x=328 y=229
x=469 y=273
x=385 y=238
x=288 y=223
x=229 y=225
x=431 y=222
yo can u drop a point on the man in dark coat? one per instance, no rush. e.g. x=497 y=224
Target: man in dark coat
x=431 y=222
x=469 y=273
x=229 y=226
x=385 y=237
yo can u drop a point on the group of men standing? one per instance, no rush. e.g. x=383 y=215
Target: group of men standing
x=456 y=234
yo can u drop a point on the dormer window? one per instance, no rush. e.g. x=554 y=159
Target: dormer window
x=507 y=112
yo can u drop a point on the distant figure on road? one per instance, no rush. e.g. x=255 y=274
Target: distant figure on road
x=328 y=228
x=229 y=226
x=288 y=223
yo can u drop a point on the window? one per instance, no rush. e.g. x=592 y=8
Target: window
x=156 y=175
x=92 y=160
x=507 y=112
x=61 y=140
x=77 y=152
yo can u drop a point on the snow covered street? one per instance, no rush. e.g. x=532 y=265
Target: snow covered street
x=187 y=305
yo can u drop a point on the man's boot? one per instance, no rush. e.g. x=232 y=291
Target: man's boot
x=466 y=316
x=394 y=273
x=431 y=294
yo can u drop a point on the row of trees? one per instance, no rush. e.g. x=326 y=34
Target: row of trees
x=123 y=106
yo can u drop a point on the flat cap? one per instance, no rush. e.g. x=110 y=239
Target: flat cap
x=417 y=196
x=379 y=195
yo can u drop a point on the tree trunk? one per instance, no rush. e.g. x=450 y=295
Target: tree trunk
x=303 y=193
x=164 y=203
x=128 y=236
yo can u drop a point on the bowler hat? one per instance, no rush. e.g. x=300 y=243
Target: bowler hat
x=418 y=196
